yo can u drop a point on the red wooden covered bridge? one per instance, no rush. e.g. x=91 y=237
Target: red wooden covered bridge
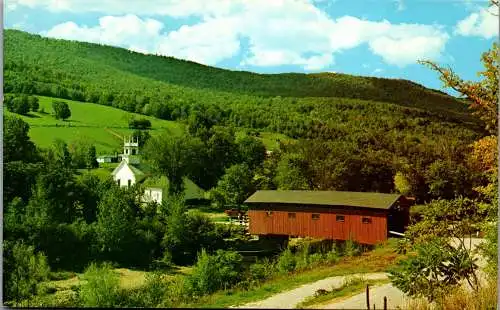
x=363 y=217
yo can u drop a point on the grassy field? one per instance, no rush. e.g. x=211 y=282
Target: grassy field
x=377 y=260
x=129 y=278
x=101 y=125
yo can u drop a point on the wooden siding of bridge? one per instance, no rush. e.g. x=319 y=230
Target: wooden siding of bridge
x=327 y=226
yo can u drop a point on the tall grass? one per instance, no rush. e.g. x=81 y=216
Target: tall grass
x=461 y=299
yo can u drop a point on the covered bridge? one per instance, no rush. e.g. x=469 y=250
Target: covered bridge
x=364 y=217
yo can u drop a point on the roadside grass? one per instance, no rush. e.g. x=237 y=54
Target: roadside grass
x=377 y=260
x=350 y=287
x=460 y=299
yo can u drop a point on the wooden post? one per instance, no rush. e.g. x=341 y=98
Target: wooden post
x=385 y=302
x=373 y=306
x=367 y=297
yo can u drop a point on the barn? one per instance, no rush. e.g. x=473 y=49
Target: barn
x=367 y=218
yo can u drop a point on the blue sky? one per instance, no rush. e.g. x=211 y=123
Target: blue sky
x=382 y=38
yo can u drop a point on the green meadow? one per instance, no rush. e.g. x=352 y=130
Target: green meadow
x=102 y=126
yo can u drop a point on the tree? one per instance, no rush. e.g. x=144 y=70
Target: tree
x=214 y=272
x=481 y=96
x=141 y=135
x=61 y=110
x=23 y=269
x=115 y=223
x=234 y=187
x=173 y=157
x=252 y=152
x=289 y=173
x=59 y=154
x=90 y=159
x=17 y=144
x=19 y=105
x=34 y=103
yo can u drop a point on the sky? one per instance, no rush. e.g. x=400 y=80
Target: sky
x=383 y=38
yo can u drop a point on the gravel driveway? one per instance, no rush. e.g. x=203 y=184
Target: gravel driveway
x=290 y=299
x=395 y=297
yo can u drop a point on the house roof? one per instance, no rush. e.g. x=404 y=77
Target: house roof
x=135 y=170
x=326 y=198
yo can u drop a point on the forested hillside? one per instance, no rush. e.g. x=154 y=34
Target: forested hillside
x=108 y=75
x=353 y=133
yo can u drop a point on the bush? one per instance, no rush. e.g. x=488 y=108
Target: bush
x=286 y=262
x=351 y=248
x=139 y=124
x=23 y=270
x=19 y=105
x=101 y=287
x=214 y=272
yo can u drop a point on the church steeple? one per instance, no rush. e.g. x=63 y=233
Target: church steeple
x=131 y=150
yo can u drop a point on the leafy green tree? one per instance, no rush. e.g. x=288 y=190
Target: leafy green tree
x=61 y=110
x=173 y=157
x=142 y=136
x=90 y=160
x=59 y=154
x=115 y=224
x=187 y=233
x=402 y=184
x=252 y=152
x=23 y=269
x=19 y=105
x=34 y=103
x=17 y=144
x=234 y=187
x=213 y=272
x=290 y=173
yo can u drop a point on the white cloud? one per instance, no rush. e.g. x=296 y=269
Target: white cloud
x=128 y=31
x=278 y=32
x=482 y=23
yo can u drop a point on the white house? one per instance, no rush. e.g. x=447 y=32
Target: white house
x=153 y=194
x=127 y=173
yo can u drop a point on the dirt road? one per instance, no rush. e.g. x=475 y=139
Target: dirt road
x=395 y=297
x=290 y=299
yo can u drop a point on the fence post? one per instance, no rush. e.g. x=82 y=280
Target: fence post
x=367 y=297
x=385 y=303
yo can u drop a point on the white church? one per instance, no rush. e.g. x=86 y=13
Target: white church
x=128 y=173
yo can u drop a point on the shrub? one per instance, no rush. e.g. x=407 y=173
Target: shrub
x=351 y=248
x=19 y=105
x=434 y=270
x=139 y=124
x=214 y=272
x=23 y=270
x=153 y=292
x=258 y=271
x=101 y=287
x=302 y=257
x=286 y=262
